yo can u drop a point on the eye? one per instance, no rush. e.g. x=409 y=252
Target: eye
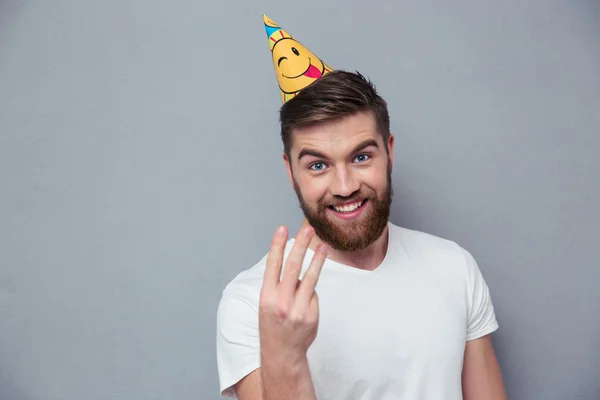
x=362 y=158
x=318 y=166
x=295 y=50
x=280 y=60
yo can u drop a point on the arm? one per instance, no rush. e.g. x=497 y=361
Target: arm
x=251 y=388
x=481 y=375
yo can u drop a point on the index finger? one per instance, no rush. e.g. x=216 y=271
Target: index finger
x=275 y=258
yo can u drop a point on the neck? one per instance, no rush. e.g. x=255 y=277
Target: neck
x=368 y=258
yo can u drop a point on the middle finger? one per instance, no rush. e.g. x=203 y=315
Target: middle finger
x=293 y=264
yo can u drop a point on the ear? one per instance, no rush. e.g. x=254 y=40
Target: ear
x=391 y=150
x=288 y=167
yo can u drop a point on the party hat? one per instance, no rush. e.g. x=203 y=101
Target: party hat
x=295 y=66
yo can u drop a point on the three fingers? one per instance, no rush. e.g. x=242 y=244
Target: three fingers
x=289 y=281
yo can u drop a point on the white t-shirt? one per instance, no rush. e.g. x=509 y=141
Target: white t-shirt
x=397 y=332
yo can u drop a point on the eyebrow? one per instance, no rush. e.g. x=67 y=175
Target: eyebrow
x=361 y=146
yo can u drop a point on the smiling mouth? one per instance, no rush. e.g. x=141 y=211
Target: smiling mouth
x=348 y=208
x=305 y=71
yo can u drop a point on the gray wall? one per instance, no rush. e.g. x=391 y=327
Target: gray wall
x=140 y=171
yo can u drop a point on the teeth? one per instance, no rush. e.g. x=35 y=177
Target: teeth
x=348 y=208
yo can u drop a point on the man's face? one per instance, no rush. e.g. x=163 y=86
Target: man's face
x=341 y=173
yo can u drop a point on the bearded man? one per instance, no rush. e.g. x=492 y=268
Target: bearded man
x=400 y=314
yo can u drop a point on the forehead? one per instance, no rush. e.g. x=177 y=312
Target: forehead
x=336 y=136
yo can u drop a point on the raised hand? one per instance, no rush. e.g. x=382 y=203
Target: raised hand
x=289 y=309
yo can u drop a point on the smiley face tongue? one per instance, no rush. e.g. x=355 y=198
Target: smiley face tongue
x=313 y=72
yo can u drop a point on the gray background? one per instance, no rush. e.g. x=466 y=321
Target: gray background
x=140 y=171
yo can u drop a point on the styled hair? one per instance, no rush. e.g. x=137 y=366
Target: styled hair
x=333 y=96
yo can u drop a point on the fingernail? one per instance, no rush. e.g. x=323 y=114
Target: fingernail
x=308 y=231
x=280 y=231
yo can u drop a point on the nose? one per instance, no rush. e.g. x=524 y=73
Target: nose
x=344 y=183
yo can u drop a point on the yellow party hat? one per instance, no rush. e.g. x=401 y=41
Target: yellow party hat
x=295 y=66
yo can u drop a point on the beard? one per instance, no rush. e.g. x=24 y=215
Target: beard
x=356 y=234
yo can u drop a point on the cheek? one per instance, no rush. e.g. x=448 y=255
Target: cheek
x=375 y=178
x=313 y=189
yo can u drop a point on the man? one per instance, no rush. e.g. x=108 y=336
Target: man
x=400 y=314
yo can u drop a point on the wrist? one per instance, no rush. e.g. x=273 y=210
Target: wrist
x=284 y=379
x=285 y=363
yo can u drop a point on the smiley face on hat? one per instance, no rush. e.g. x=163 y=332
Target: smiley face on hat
x=295 y=66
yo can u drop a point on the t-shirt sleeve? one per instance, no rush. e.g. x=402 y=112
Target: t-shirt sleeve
x=481 y=315
x=238 y=344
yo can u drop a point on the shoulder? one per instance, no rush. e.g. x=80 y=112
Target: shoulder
x=414 y=241
x=436 y=252
x=237 y=310
x=244 y=289
x=246 y=285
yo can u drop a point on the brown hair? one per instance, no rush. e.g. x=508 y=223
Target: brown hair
x=334 y=95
